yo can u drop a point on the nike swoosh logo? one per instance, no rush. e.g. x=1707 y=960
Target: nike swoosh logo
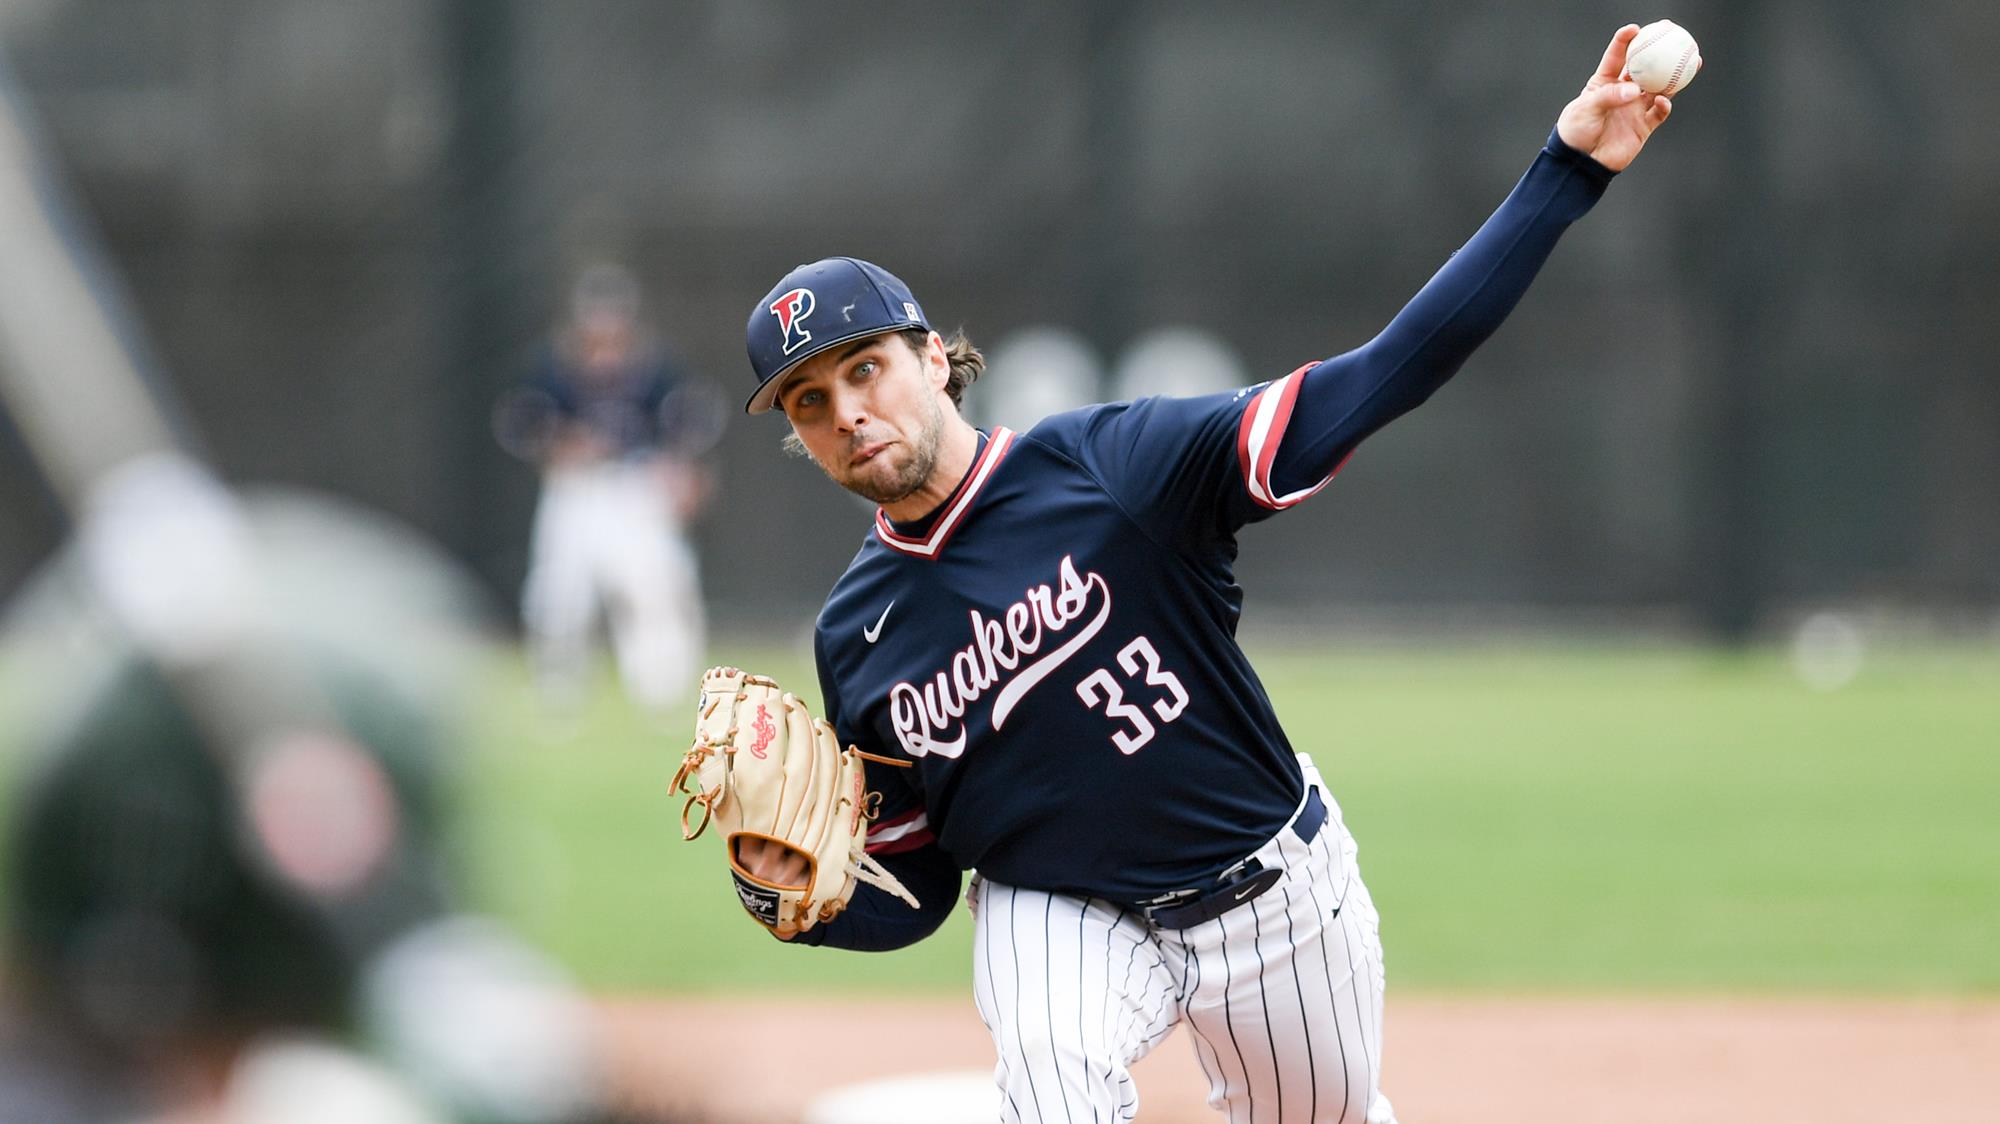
x=1244 y=893
x=875 y=630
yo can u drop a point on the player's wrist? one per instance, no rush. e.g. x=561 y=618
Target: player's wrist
x=1567 y=153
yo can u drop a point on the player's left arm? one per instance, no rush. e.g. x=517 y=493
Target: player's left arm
x=876 y=921
x=899 y=838
x=1329 y=408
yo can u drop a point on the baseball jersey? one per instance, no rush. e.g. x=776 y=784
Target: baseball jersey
x=1053 y=649
x=631 y=410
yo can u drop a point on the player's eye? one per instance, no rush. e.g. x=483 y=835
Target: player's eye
x=865 y=369
x=801 y=400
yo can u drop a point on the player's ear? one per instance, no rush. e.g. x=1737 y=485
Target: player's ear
x=937 y=364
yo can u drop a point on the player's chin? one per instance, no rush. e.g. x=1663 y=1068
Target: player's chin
x=878 y=480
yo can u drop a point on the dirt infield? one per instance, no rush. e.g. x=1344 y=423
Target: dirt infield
x=1494 y=1061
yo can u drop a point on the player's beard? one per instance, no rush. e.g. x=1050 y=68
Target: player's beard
x=908 y=474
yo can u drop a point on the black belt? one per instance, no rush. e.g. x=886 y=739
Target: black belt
x=1184 y=909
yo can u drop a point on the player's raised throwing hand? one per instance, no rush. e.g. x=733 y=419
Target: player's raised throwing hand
x=1611 y=119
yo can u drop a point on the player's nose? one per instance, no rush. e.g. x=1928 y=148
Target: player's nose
x=850 y=409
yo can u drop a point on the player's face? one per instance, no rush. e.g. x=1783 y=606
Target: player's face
x=869 y=414
x=605 y=342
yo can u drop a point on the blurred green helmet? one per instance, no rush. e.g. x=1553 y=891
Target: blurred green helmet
x=136 y=903
x=174 y=870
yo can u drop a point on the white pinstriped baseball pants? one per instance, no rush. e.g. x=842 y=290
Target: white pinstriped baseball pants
x=1283 y=996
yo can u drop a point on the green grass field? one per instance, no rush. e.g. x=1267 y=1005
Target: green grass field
x=1548 y=820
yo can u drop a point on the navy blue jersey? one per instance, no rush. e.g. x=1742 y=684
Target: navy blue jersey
x=634 y=410
x=1053 y=649
x=1056 y=655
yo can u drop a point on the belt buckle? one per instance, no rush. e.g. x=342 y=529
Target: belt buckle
x=1195 y=907
x=1167 y=900
x=1245 y=869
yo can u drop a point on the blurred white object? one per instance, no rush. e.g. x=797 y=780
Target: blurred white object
x=339 y=576
x=953 y=1097
x=1179 y=362
x=484 y=1022
x=167 y=548
x=302 y=1081
x=1033 y=373
x=1828 y=651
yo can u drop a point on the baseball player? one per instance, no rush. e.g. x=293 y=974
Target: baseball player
x=617 y=432
x=1035 y=645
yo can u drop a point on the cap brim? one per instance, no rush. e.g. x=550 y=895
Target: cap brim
x=765 y=397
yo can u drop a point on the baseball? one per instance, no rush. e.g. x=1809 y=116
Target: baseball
x=1663 y=58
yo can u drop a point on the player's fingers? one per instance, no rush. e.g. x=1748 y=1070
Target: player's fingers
x=775 y=864
x=1614 y=94
x=792 y=867
x=1613 y=63
x=1658 y=111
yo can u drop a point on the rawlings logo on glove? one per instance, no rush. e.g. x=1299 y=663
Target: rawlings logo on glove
x=780 y=787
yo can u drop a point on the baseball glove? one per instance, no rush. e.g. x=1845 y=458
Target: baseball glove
x=766 y=769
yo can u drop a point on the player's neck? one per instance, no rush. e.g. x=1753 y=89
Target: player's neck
x=956 y=448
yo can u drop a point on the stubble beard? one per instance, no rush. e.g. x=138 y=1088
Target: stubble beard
x=923 y=446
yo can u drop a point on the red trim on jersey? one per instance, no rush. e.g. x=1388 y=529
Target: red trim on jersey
x=906 y=843
x=906 y=832
x=897 y=821
x=931 y=544
x=1260 y=434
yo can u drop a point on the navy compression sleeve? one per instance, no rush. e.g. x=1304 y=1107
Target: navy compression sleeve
x=876 y=921
x=1350 y=396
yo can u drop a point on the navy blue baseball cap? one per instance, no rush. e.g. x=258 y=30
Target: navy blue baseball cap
x=827 y=303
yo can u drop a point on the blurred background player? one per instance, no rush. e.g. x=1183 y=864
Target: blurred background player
x=618 y=432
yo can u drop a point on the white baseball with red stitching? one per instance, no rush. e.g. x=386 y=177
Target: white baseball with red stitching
x=1663 y=58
